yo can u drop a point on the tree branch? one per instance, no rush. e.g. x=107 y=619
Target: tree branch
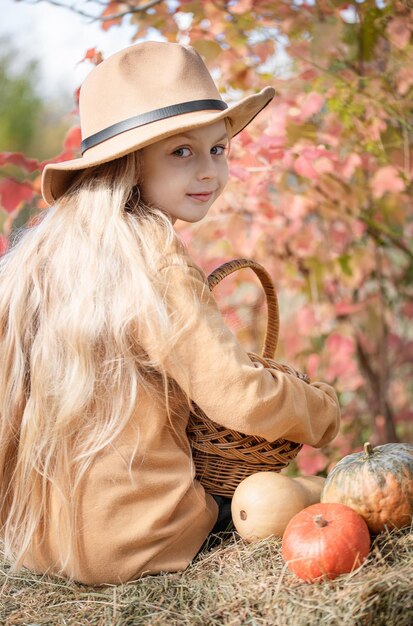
x=373 y=378
x=379 y=231
x=101 y=18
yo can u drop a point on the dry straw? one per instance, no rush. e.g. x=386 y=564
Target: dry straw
x=233 y=585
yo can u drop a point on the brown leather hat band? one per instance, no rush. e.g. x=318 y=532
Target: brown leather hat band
x=151 y=116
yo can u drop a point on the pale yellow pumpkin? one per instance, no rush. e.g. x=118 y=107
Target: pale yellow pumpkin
x=264 y=503
x=313 y=486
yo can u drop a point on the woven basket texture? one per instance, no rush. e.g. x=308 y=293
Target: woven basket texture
x=223 y=457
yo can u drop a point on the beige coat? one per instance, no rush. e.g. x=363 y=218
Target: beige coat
x=153 y=516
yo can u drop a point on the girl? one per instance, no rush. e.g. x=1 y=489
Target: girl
x=108 y=330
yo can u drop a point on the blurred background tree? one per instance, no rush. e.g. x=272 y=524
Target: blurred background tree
x=28 y=122
x=320 y=192
x=20 y=106
x=29 y=125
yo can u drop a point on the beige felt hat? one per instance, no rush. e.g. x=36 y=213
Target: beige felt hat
x=142 y=94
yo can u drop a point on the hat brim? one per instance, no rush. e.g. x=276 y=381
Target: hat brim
x=57 y=177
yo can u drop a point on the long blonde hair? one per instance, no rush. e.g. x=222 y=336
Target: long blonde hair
x=74 y=289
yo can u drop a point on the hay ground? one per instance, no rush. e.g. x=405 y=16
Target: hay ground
x=234 y=585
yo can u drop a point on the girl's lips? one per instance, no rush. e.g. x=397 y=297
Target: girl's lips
x=202 y=197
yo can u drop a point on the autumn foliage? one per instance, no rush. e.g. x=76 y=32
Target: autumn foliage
x=321 y=190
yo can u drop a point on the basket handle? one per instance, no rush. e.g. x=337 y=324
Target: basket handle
x=273 y=316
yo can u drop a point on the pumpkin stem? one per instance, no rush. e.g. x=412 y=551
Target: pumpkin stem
x=320 y=521
x=368 y=448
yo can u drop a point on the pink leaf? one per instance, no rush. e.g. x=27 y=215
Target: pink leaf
x=351 y=163
x=312 y=365
x=340 y=346
x=399 y=32
x=404 y=80
x=323 y=165
x=341 y=363
x=305 y=320
x=311 y=461
x=277 y=122
x=299 y=207
x=304 y=167
x=310 y=104
x=348 y=308
x=237 y=171
x=386 y=179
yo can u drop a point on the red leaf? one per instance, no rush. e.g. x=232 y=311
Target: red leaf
x=20 y=160
x=13 y=194
x=73 y=139
x=407 y=309
x=76 y=96
x=4 y=244
x=71 y=147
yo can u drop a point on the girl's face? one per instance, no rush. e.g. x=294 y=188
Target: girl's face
x=185 y=174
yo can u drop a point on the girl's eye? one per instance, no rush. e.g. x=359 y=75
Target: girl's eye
x=182 y=152
x=218 y=150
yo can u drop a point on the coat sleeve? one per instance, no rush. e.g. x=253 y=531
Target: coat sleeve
x=213 y=369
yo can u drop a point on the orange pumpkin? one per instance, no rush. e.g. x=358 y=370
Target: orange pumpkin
x=325 y=540
x=377 y=483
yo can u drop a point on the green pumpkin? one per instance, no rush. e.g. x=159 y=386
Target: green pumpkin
x=377 y=483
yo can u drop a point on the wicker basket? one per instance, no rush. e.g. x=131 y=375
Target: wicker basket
x=224 y=457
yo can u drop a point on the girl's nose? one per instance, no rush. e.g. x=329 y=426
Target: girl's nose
x=207 y=168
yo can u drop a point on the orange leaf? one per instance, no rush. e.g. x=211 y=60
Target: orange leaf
x=93 y=55
x=113 y=8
